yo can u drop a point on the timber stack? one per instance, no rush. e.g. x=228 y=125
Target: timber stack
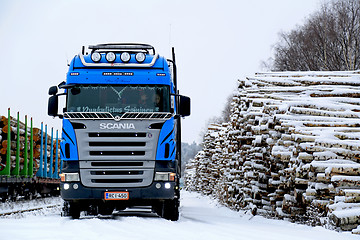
x=24 y=141
x=291 y=149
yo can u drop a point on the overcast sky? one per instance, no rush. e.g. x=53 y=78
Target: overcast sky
x=216 y=43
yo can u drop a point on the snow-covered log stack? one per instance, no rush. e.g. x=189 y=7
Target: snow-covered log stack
x=291 y=149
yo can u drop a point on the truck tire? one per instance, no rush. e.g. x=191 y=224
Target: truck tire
x=171 y=210
x=74 y=210
x=71 y=209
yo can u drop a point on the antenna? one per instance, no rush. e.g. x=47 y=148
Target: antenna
x=67 y=59
x=170 y=37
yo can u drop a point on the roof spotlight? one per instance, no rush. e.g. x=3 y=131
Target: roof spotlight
x=125 y=57
x=110 y=57
x=96 y=57
x=140 y=57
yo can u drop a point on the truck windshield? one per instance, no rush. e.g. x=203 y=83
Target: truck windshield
x=118 y=99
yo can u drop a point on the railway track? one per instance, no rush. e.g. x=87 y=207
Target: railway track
x=28 y=210
x=36 y=205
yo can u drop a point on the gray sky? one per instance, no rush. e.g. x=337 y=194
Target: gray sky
x=216 y=43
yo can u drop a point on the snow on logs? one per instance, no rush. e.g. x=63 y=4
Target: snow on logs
x=291 y=149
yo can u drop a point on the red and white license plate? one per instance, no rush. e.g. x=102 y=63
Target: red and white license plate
x=116 y=196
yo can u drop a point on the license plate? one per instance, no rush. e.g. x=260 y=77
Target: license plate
x=116 y=196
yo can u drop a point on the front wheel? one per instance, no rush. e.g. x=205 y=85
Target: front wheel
x=168 y=209
x=71 y=209
x=171 y=210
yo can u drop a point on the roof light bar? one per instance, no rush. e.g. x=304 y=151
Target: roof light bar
x=125 y=58
x=124 y=47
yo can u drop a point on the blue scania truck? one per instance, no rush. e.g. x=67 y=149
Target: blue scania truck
x=121 y=135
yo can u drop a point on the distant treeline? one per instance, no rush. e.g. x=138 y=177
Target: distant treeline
x=188 y=151
x=329 y=40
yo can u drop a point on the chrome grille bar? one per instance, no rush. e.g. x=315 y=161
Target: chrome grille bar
x=127 y=115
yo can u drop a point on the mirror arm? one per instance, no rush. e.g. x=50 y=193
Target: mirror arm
x=61 y=116
x=176 y=95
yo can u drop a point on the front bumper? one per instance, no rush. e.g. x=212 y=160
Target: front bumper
x=156 y=191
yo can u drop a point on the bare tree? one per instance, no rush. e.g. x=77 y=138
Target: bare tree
x=329 y=40
x=225 y=115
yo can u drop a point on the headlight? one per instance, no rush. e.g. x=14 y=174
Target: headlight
x=70 y=177
x=96 y=57
x=140 y=57
x=110 y=57
x=125 y=57
x=165 y=176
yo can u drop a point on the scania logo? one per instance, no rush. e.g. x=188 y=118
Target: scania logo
x=117 y=126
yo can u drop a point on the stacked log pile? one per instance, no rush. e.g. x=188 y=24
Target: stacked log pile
x=291 y=149
x=13 y=152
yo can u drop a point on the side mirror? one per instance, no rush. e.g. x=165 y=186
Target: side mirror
x=53 y=105
x=184 y=106
x=53 y=90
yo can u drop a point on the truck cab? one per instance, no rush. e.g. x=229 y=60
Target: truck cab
x=121 y=135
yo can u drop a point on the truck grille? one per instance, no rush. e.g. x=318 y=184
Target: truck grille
x=116 y=164
x=117 y=144
x=117 y=153
x=116 y=173
x=120 y=143
x=117 y=158
x=118 y=134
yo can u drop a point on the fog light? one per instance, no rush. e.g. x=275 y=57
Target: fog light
x=158 y=185
x=167 y=185
x=66 y=186
x=75 y=186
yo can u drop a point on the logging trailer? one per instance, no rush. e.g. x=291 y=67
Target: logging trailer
x=121 y=138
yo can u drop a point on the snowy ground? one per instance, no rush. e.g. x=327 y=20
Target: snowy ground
x=200 y=218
